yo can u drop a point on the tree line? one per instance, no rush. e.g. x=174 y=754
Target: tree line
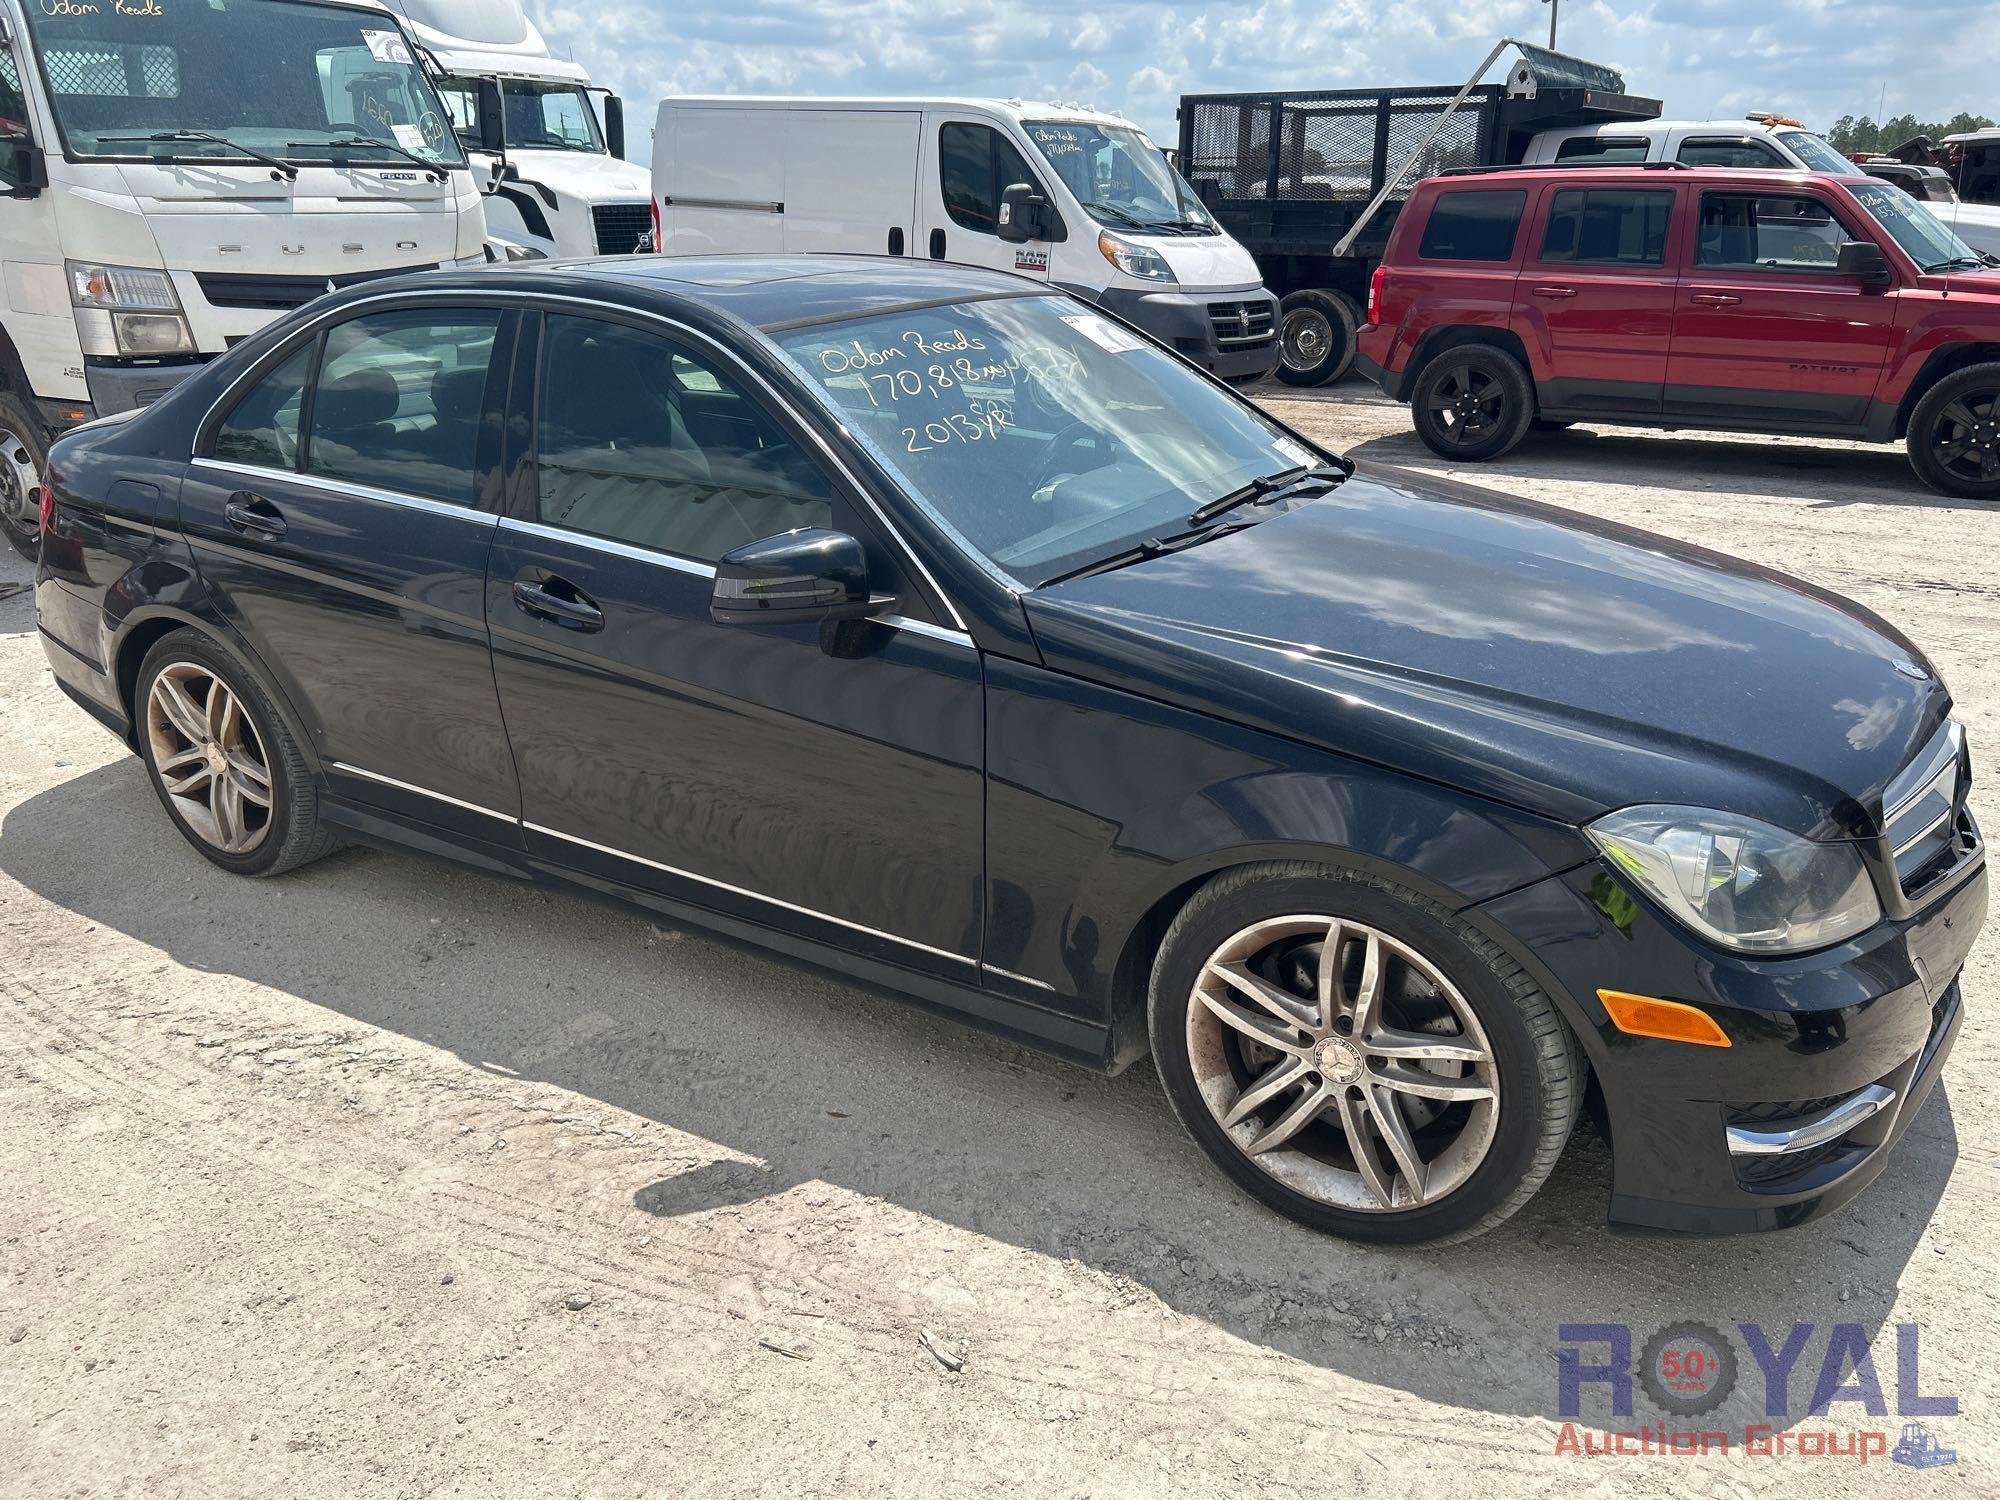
x=1863 y=134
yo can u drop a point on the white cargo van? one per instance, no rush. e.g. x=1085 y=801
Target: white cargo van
x=1073 y=197
x=173 y=176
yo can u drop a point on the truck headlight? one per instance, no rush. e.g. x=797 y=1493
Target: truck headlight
x=144 y=313
x=1134 y=259
x=1738 y=882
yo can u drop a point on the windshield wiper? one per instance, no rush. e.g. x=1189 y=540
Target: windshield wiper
x=1269 y=487
x=349 y=142
x=1152 y=546
x=1957 y=262
x=1119 y=214
x=276 y=163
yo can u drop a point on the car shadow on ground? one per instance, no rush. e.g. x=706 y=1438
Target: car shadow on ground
x=822 y=1081
x=1654 y=461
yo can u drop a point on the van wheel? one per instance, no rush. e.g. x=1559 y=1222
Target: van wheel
x=1472 y=403
x=1358 y=1056
x=1954 y=439
x=24 y=459
x=1315 y=337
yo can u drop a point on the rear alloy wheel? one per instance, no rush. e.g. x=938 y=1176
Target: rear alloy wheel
x=23 y=458
x=1954 y=439
x=1358 y=1057
x=1316 y=333
x=1472 y=403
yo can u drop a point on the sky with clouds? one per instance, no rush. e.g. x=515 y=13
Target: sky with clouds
x=1816 y=59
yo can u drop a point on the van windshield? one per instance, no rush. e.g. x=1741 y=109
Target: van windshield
x=225 y=78
x=1120 y=177
x=1041 y=434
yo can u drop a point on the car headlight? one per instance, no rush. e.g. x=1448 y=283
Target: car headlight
x=127 y=310
x=1739 y=882
x=1134 y=259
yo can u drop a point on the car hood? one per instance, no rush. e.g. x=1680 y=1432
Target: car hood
x=1542 y=658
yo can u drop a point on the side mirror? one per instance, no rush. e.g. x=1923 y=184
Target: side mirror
x=24 y=168
x=1023 y=214
x=492 y=116
x=798 y=577
x=1864 y=260
x=614 y=125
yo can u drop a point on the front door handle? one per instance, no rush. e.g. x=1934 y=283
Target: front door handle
x=1555 y=292
x=1715 y=299
x=253 y=513
x=560 y=601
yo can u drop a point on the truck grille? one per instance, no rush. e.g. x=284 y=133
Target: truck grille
x=281 y=293
x=1238 y=323
x=619 y=226
x=1924 y=813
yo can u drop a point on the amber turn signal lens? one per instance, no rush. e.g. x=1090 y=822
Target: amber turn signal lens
x=1667 y=1020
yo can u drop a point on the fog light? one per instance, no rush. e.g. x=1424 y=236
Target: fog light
x=152 y=333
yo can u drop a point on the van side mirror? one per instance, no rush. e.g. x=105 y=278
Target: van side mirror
x=798 y=577
x=492 y=116
x=24 y=168
x=1024 y=214
x=1864 y=260
x=614 y=125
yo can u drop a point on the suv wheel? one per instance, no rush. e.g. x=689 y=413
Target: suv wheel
x=1359 y=1057
x=1315 y=337
x=1954 y=439
x=1472 y=403
x=23 y=461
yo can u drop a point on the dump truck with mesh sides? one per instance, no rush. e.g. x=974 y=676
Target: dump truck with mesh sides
x=1311 y=180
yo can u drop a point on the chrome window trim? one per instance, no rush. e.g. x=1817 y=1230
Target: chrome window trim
x=1040 y=984
x=516 y=297
x=403 y=786
x=737 y=890
x=607 y=544
x=348 y=488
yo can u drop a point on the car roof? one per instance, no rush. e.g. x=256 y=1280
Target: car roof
x=764 y=291
x=1655 y=174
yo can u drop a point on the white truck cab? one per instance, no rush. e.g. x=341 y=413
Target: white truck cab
x=1070 y=196
x=1760 y=140
x=177 y=175
x=559 y=185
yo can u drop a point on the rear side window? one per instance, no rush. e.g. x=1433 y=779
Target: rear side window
x=1730 y=153
x=264 y=428
x=1782 y=234
x=1602 y=148
x=398 y=401
x=1607 y=227
x=1473 y=226
x=976 y=164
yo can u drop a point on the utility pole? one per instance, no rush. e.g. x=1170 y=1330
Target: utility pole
x=1554 y=6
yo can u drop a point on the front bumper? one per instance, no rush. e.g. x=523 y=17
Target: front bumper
x=1232 y=335
x=1692 y=1128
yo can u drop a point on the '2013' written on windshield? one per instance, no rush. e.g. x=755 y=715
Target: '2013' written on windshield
x=935 y=369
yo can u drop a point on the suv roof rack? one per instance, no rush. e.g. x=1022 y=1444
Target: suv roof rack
x=1571 y=166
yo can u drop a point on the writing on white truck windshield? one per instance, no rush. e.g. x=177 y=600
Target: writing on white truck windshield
x=1120 y=177
x=234 y=79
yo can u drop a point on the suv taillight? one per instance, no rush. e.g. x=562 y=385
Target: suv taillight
x=1375 y=293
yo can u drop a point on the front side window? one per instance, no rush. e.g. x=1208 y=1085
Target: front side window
x=1604 y=148
x=976 y=164
x=397 y=405
x=1780 y=234
x=1038 y=432
x=264 y=428
x=639 y=440
x=298 y=81
x=1607 y=227
x=1473 y=226
x=1729 y=153
x=1119 y=176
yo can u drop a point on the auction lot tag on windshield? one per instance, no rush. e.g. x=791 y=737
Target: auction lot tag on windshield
x=1103 y=332
x=387 y=46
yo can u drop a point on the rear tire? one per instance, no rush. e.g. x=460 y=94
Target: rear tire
x=1316 y=337
x=24 y=466
x=1472 y=403
x=1954 y=439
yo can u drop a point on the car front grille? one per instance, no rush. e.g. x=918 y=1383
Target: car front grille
x=282 y=293
x=1925 y=818
x=619 y=226
x=1239 y=323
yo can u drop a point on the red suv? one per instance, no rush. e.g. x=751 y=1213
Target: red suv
x=1659 y=297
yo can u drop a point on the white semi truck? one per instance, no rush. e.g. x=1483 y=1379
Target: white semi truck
x=174 y=174
x=558 y=184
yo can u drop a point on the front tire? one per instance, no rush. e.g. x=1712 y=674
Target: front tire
x=1472 y=403
x=1954 y=438
x=1316 y=337
x=224 y=764
x=24 y=465
x=1359 y=1057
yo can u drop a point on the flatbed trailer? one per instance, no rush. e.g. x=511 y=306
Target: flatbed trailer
x=1311 y=180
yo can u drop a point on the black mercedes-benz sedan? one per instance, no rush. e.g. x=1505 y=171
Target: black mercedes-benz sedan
x=932 y=626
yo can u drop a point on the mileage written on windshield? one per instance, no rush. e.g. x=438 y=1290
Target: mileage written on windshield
x=948 y=383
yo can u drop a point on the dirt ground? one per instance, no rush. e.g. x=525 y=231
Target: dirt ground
x=389 y=1178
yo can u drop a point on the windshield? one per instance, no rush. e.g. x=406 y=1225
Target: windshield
x=1119 y=175
x=545 y=116
x=1923 y=237
x=265 y=75
x=1814 y=151
x=1044 y=435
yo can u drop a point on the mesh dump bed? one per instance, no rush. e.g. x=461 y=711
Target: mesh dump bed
x=1333 y=147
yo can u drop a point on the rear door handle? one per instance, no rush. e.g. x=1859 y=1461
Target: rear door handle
x=249 y=512
x=1715 y=299
x=560 y=601
x=1556 y=292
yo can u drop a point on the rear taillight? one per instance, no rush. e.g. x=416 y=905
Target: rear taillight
x=655 y=206
x=48 y=509
x=1375 y=293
